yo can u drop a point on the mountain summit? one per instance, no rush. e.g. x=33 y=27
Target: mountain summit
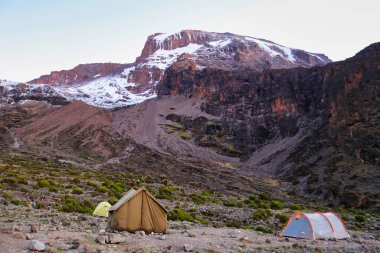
x=112 y=85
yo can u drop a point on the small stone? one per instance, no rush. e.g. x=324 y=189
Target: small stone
x=162 y=237
x=192 y=234
x=287 y=239
x=140 y=232
x=124 y=233
x=268 y=240
x=29 y=236
x=102 y=232
x=101 y=239
x=75 y=244
x=19 y=235
x=115 y=239
x=16 y=228
x=33 y=228
x=187 y=247
x=36 y=245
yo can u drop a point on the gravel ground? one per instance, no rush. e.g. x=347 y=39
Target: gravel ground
x=62 y=232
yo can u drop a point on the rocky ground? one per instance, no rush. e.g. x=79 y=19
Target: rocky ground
x=69 y=232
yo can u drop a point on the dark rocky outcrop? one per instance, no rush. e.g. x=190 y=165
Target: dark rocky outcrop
x=318 y=127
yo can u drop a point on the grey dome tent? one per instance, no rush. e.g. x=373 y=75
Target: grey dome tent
x=315 y=226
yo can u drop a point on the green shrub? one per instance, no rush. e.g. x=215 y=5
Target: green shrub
x=76 y=180
x=263 y=204
x=113 y=200
x=102 y=188
x=43 y=183
x=283 y=218
x=276 y=205
x=70 y=204
x=360 y=218
x=22 y=180
x=180 y=215
x=296 y=207
x=118 y=187
x=17 y=202
x=9 y=181
x=264 y=229
x=91 y=183
x=7 y=196
x=261 y=214
x=77 y=190
x=198 y=199
x=53 y=189
x=264 y=196
x=253 y=198
x=232 y=203
x=202 y=220
x=165 y=192
x=234 y=223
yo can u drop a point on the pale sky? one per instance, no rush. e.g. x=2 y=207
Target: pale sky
x=38 y=36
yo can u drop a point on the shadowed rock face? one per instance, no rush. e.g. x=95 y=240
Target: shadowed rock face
x=309 y=126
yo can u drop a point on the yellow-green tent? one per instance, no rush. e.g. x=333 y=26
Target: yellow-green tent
x=102 y=209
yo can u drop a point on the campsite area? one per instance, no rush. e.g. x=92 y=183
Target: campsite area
x=56 y=209
x=78 y=233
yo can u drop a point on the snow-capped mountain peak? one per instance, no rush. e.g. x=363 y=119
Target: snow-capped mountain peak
x=112 y=85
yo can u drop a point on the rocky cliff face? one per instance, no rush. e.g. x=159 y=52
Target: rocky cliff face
x=309 y=126
x=115 y=85
x=79 y=74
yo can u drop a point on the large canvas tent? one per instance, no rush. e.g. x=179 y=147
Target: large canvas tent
x=138 y=210
x=315 y=226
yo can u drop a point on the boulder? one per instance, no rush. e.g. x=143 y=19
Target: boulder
x=36 y=245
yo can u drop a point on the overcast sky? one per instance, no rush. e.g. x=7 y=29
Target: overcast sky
x=38 y=36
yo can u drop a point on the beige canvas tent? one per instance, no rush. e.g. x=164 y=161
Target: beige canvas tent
x=138 y=210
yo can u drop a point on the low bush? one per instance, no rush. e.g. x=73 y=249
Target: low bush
x=264 y=229
x=263 y=204
x=165 y=192
x=283 y=218
x=276 y=205
x=17 y=202
x=264 y=196
x=296 y=207
x=232 y=203
x=234 y=223
x=360 y=218
x=43 y=183
x=70 y=204
x=77 y=190
x=178 y=214
x=261 y=214
x=102 y=188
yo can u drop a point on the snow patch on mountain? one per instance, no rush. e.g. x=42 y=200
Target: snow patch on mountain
x=162 y=59
x=220 y=43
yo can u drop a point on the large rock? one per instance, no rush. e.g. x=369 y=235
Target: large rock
x=36 y=245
